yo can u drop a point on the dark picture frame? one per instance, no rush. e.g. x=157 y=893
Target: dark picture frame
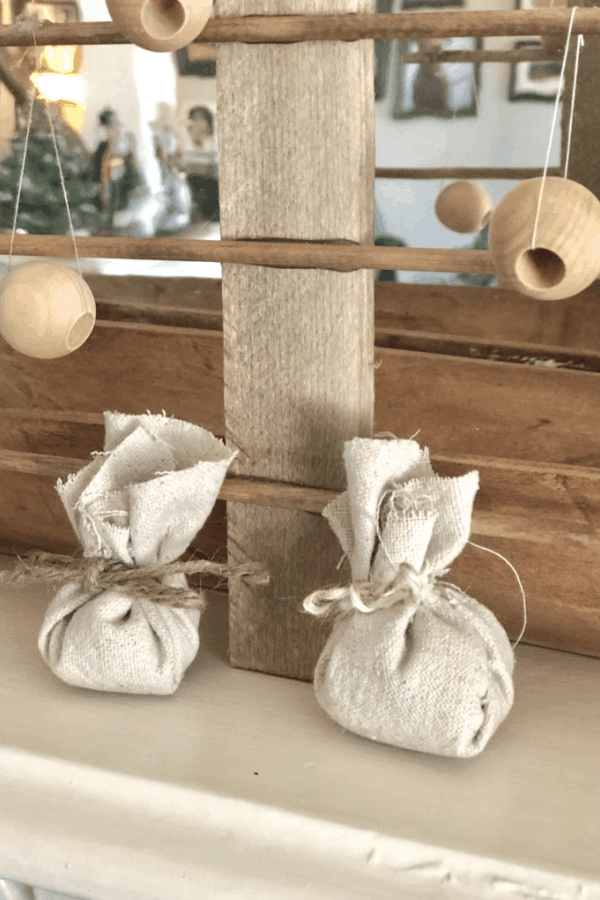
x=443 y=90
x=197 y=59
x=534 y=81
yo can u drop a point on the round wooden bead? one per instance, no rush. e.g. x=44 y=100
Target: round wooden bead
x=160 y=25
x=463 y=206
x=46 y=309
x=566 y=255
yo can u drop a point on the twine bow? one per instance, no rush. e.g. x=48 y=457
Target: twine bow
x=143 y=582
x=408 y=586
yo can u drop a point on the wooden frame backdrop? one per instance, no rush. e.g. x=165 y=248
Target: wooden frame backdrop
x=282 y=355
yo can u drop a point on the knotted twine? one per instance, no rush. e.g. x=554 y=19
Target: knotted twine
x=150 y=582
x=412 y=660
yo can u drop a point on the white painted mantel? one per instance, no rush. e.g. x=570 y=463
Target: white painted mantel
x=239 y=788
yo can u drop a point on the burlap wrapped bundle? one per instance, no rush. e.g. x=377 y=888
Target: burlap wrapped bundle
x=138 y=503
x=411 y=661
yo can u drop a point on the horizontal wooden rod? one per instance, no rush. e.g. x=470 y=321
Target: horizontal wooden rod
x=488 y=172
x=240 y=490
x=279 y=254
x=480 y=56
x=314 y=500
x=350 y=27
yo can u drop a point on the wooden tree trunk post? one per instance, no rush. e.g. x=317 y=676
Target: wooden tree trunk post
x=296 y=133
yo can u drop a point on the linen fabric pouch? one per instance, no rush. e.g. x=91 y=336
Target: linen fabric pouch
x=411 y=661
x=140 y=502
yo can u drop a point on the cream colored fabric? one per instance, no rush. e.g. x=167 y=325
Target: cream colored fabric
x=433 y=672
x=141 y=501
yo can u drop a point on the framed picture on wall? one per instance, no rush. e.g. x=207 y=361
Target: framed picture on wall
x=197 y=59
x=445 y=89
x=533 y=81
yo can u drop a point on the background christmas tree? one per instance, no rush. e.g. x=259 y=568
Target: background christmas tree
x=42 y=208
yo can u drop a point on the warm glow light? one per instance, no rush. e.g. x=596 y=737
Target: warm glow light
x=60 y=87
x=72 y=113
x=66 y=90
x=58 y=59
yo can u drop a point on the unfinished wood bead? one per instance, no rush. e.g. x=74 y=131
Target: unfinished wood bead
x=160 y=25
x=46 y=309
x=566 y=256
x=463 y=206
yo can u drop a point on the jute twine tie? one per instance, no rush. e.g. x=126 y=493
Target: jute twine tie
x=407 y=587
x=140 y=583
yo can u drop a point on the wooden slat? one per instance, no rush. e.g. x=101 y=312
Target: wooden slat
x=465 y=315
x=134 y=368
x=156 y=291
x=284 y=29
x=460 y=405
x=460 y=172
x=338 y=255
x=480 y=56
x=482 y=313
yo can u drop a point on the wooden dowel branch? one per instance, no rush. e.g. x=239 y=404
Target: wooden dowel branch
x=280 y=254
x=480 y=56
x=351 y=27
x=489 y=172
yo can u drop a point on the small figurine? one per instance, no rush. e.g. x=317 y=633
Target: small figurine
x=201 y=165
x=114 y=166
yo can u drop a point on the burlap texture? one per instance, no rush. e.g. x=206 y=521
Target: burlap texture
x=141 y=501
x=432 y=672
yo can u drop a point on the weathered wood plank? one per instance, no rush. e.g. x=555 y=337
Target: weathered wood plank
x=297 y=163
x=491 y=313
x=459 y=406
x=156 y=291
x=133 y=368
x=484 y=408
x=488 y=314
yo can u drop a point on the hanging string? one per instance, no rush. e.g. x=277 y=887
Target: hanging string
x=552 y=129
x=21 y=177
x=63 y=185
x=519 y=582
x=33 y=23
x=580 y=44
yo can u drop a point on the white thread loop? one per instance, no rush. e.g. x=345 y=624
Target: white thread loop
x=580 y=44
x=409 y=586
x=519 y=582
x=553 y=127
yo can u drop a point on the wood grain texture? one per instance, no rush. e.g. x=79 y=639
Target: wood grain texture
x=132 y=368
x=490 y=315
x=297 y=163
x=462 y=406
